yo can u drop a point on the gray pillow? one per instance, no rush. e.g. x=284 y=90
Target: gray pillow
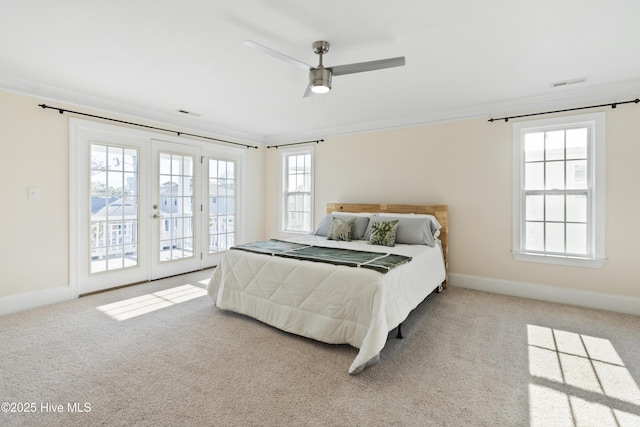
x=411 y=231
x=357 y=233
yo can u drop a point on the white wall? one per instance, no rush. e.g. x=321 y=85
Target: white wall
x=34 y=234
x=467 y=165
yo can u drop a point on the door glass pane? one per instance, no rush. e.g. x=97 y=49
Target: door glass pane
x=114 y=208
x=115 y=158
x=188 y=166
x=222 y=220
x=175 y=223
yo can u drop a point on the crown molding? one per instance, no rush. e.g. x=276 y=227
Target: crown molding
x=53 y=93
x=557 y=98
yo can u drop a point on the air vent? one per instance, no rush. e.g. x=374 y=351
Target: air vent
x=569 y=82
x=189 y=113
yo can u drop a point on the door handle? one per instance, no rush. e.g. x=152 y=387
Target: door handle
x=156 y=216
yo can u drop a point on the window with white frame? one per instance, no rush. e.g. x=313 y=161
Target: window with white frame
x=222 y=204
x=558 y=190
x=297 y=190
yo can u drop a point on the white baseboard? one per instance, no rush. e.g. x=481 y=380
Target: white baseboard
x=20 y=302
x=602 y=301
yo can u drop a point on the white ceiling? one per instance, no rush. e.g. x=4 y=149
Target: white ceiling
x=464 y=58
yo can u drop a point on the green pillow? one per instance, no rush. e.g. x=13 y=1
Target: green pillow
x=341 y=229
x=383 y=233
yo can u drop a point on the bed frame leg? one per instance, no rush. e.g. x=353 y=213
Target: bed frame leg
x=399 y=336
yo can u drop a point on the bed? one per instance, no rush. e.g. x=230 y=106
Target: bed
x=340 y=304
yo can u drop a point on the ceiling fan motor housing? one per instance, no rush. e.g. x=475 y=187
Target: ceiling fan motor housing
x=320 y=78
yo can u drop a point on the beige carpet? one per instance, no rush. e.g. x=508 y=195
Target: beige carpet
x=468 y=359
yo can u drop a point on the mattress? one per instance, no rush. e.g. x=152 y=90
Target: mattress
x=328 y=303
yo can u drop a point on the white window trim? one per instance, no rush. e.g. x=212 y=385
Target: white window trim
x=284 y=152
x=597 y=163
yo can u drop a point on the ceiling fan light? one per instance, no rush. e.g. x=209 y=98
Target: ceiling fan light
x=320 y=89
x=320 y=80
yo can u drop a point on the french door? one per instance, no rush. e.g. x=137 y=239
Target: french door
x=144 y=208
x=176 y=208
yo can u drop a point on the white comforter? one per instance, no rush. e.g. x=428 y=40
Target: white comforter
x=332 y=304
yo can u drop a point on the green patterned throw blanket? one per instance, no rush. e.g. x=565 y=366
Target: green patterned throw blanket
x=373 y=260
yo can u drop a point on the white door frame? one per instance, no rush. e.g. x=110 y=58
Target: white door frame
x=81 y=132
x=162 y=268
x=237 y=156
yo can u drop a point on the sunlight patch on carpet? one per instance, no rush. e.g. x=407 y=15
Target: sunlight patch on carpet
x=599 y=384
x=133 y=307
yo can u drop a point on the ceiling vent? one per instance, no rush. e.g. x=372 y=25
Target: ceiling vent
x=569 y=82
x=189 y=113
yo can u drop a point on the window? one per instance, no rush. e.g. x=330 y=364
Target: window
x=558 y=190
x=222 y=204
x=297 y=185
x=114 y=207
x=176 y=185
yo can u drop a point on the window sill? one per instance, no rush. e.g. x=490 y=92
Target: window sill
x=559 y=260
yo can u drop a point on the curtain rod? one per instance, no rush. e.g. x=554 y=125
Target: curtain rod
x=62 y=110
x=612 y=105
x=317 y=141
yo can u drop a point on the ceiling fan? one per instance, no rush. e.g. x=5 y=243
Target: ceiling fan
x=320 y=76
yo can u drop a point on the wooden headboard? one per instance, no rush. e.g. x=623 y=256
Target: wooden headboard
x=441 y=212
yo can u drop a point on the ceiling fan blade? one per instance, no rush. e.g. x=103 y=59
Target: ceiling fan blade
x=276 y=54
x=307 y=92
x=361 y=67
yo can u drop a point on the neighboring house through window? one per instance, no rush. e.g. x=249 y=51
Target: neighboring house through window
x=222 y=204
x=297 y=190
x=558 y=190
